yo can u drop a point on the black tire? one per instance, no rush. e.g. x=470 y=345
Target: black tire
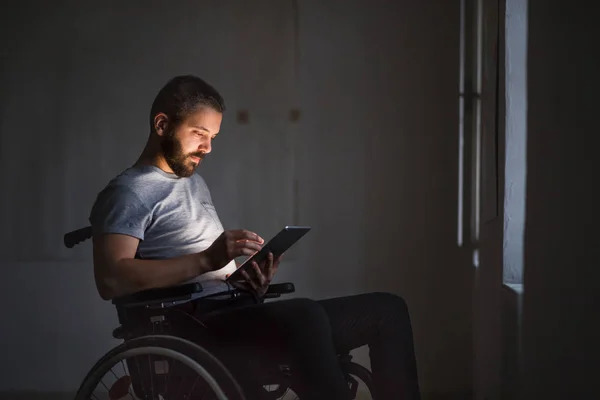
x=352 y=369
x=189 y=353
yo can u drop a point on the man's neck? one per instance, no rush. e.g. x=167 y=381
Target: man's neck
x=152 y=155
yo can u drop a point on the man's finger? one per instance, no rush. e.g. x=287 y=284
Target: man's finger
x=244 y=251
x=269 y=266
x=240 y=285
x=259 y=274
x=249 y=245
x=243 y=234
x=250 y=281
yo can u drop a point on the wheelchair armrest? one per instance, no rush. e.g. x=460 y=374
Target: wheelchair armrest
x=277 y=289
x=159 y=295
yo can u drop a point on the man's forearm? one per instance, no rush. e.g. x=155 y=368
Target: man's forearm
x=133 y=275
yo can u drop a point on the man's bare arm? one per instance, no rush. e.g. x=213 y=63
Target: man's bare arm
x=117 y=272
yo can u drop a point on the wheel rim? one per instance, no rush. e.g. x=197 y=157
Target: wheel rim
x=87 y=390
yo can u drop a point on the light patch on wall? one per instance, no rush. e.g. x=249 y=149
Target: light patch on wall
x=476 y=258
x=515 y=168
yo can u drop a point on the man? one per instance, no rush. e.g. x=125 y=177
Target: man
x=154 y=225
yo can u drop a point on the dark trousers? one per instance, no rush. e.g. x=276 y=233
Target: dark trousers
x=310 y=334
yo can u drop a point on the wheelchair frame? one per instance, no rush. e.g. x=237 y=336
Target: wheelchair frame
x=154 y=316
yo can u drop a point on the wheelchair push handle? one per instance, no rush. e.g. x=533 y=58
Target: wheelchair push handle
x=77 y=236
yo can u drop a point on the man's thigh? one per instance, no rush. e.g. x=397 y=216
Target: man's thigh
x=356 y=320
x=273 y=324
x=351 y=321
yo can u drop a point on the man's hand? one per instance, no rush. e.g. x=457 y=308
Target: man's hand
x=259 y=280
x=232 y=244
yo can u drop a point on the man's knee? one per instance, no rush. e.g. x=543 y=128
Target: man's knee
x=306 y=308
x=305 y=314
x=390 y=304
x=391 y=299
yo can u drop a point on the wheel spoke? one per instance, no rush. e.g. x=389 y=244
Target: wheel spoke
x=129 y=389
x=179 y=388
x=151 y=373
x=170 y=367
x=106 y=387
x=193 y=386
x=139 y=371
x=178 y=355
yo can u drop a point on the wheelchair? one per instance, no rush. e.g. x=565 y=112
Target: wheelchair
x=160 y=357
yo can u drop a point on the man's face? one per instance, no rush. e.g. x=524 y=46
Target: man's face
x=185 y=145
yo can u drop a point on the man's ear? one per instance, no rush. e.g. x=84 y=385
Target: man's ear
x=161 y=122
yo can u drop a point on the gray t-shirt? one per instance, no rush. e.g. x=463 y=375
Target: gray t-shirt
x=171 y=216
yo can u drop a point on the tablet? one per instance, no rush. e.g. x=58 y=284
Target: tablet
x=278 y=245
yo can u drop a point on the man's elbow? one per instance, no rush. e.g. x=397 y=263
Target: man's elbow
x=108 y=285
x=105 y=295
x=106 y=289
x=111 y=287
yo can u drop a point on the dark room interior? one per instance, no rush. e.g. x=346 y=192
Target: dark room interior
x=440 y=151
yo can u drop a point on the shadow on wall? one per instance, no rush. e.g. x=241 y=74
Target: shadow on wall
x=411 y=189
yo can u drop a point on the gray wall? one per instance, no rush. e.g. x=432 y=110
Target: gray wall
x=562 y=256
x=374 y=154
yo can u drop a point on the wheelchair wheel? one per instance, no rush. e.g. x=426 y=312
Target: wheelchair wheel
x=159 y=367
x=354 y=373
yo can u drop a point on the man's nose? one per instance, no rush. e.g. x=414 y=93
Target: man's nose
x=205 y=146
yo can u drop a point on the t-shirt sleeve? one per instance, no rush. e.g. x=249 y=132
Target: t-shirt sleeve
x=119 y=210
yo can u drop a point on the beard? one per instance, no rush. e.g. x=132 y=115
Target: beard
x=179 y=161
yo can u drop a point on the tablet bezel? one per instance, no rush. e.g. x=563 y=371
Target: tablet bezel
x=288 y=236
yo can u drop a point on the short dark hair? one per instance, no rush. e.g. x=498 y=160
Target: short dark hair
x=182 y=95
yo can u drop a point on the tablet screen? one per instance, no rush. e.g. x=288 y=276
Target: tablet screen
x=278 y=245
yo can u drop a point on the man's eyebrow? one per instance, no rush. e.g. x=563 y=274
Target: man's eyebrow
x=201 y=128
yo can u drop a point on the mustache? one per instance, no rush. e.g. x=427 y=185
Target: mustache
x=198 y=154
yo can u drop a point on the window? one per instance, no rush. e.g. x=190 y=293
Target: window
x=516 y=139
x=469 y=171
